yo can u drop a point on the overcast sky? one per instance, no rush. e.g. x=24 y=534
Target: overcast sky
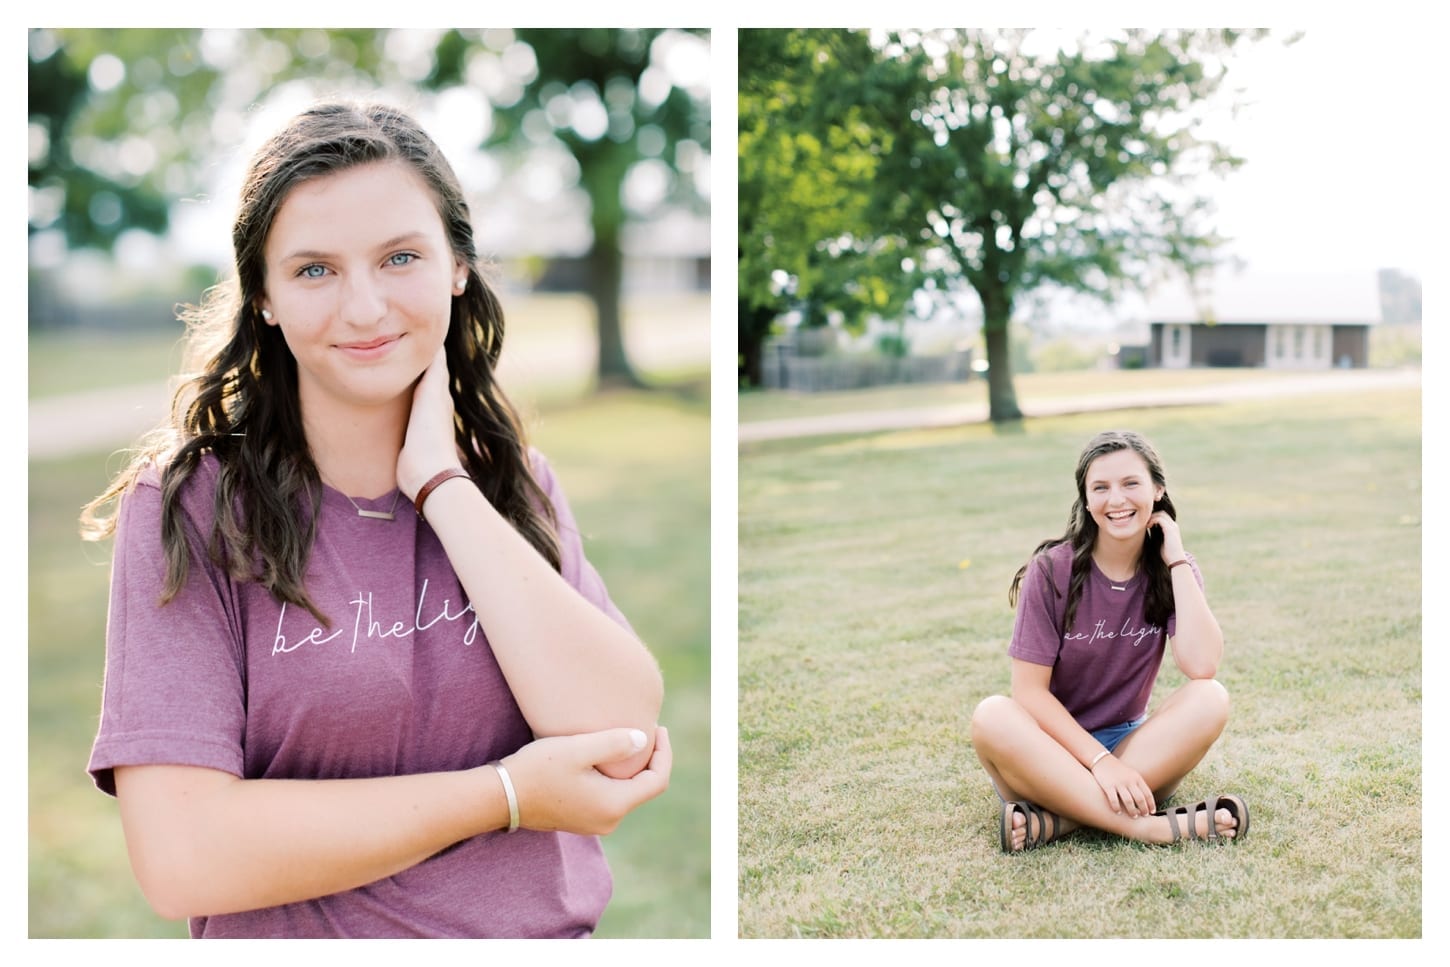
x=1337 y=134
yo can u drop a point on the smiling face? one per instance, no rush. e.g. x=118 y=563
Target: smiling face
x=360 y=279
x=1119 y=495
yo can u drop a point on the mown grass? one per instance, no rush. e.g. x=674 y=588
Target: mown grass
x=873 y=617
x=636 y=469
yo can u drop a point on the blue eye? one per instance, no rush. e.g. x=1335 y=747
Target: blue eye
x=401 y=258
x=313 y=271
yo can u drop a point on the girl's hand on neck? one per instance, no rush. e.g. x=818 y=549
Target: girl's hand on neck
x=429 y=445
x=1172 y=546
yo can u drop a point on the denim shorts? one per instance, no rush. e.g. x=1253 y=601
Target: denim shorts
x=1111 y=735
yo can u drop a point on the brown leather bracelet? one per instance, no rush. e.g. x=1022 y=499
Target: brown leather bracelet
x=1181 y=560
x=433 y=483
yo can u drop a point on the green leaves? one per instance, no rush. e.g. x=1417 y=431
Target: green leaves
x=1020 y=158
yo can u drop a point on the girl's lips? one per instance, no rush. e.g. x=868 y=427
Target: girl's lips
x=370 y=348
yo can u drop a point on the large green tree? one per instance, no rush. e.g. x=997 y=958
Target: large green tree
x=1029 y=159
x=805 y=175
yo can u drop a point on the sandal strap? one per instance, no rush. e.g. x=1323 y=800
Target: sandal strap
x=1047 y=825
x=1207 y=806
x=1033 y=810
x=1210 y=807
x=1173 y=823
x=1212 y=813
x=1010 y=809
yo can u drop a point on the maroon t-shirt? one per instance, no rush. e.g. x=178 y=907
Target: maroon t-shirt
x=401 y=680
x=1104 y=666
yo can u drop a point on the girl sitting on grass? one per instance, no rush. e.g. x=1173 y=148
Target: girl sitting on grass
x=360 y=679
x=1073 y=745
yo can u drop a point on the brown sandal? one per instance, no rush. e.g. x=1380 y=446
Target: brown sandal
x=1210 y=806
x=1044 y=820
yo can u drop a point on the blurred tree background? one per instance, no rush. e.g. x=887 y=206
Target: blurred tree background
x=127 y=125
x=999 y=162
x=586 y=158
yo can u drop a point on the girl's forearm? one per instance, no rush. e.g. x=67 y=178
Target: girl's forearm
x=203 y=842
x=571 y=668
x=1197 y=640
x=1052 y=717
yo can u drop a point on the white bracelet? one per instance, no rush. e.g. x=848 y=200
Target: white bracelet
x=1097 y=758
x=508 y=791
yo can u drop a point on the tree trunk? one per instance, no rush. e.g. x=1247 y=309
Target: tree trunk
x=606 y=272
x=1001 y=395
x=754 y=326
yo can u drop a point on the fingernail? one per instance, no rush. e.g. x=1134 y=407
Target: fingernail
x=636 y=739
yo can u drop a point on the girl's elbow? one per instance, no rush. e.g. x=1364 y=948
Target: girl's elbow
x=166 y=906
x=166 y=885
x=640 y=702
x=1200 y=666
x=654 y=694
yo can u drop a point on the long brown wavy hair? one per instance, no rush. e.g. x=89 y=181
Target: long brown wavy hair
x=242 y=405
x=1082 y=533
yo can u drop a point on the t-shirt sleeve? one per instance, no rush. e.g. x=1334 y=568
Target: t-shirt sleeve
x=1197 y=576
x=174 y=689
x=574 y=566
x=1035 y=637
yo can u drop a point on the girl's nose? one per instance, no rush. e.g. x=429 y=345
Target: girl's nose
x=363 y=304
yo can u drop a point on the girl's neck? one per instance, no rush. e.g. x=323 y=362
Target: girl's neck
x=356 y=448
x=1117 y=559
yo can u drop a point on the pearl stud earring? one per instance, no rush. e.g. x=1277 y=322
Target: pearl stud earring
x=267 y=315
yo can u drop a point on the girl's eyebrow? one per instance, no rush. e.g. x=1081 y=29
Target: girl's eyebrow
x=312 y=253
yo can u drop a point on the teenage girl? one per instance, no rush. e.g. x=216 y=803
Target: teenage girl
x=360 y=679
x=1073 y=745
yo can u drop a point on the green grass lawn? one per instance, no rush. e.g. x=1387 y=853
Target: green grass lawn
x=873 y=575
x=636 y=469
